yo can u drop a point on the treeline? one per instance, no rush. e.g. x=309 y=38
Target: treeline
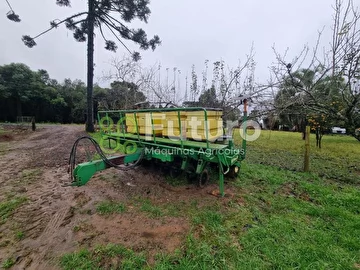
x=24 y=92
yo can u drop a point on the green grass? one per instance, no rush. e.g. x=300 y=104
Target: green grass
x=20 y=235
x=96 y=136
x=338 y=159
x=279 y=217
x=110 y=207
x=300 y=221
x=170 y=209
x=180 y=180
x=8 y=207
x=28 y=176
x=289 y=221
x=8 y=263
x=2 y=130
x=104 y=257
x=2 y=149
x=2 y=145
x=149 y=208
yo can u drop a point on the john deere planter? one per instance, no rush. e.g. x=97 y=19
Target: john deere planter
x=186 y=140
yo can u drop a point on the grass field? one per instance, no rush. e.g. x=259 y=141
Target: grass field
x=279 y=217
x=338 y=159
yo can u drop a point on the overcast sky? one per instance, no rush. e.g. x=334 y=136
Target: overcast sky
x=191 y=32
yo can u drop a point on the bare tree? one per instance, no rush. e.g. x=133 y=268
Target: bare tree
x=147 y=79
x=228 y=82
x=124 y=69
x=324 y=80
x=234 y=82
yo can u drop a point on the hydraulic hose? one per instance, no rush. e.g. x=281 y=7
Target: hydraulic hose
x=72 y=158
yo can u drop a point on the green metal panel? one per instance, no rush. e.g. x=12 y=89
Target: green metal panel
x=133 y=157
x=166 y=141
x=84 y=171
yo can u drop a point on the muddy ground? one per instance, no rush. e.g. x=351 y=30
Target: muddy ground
x=57 y=219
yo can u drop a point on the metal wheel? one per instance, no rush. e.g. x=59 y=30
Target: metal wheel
x=175 y=168
x=233 y=171
x=191 y=173
x=203 y=178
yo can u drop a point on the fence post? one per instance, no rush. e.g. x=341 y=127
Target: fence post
x=307 y=150
x=33 y=125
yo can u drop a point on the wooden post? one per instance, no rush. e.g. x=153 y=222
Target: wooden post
x=33 y=125
x=245 y=127
x=307 y=150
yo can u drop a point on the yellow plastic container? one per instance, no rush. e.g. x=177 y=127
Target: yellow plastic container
x=210 y=114
x=172 y=122
x=144 y=119
x=145 y=130
x=167 y=124
x=197 y=126
x=171 y=125
x=173 y=132
x=147 y=117
x=199 y=123
x=130 y=119
x=148 y=123
x=200 y=134
x=176 y=114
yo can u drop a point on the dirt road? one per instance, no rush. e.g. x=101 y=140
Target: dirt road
x=54 y=220
x=33 y=166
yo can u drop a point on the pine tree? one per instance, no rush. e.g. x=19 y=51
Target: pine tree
x=112 y=15
x=11 y=15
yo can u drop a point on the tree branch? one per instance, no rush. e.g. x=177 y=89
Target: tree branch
x=57 y=24
x=109 y=26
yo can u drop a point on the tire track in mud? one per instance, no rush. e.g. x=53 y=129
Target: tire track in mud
x=45 y=217
x=50 y=196
x=48 y=217
x=54 y=223
x=48 y=233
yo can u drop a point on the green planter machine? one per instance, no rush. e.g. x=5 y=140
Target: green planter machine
x=188 y=140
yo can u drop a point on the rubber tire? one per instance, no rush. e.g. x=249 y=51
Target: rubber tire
x=203 y=178
x=233 y=171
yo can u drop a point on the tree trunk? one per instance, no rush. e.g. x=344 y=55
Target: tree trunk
x=317 y=132
x=303 y=125
x=307 y=149
x=18 y=107
x=319 y=135
x=90 y=67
